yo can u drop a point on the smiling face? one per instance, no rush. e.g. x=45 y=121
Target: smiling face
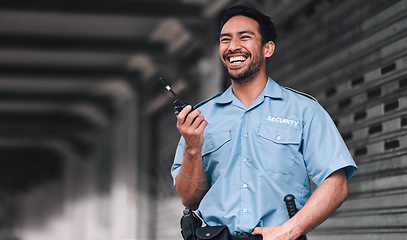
x=240 y=49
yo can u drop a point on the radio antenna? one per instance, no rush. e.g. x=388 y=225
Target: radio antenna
x=168 y=87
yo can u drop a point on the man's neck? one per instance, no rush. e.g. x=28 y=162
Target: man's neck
x=248 y=92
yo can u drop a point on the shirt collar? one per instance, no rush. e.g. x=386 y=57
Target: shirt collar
x=272 y=90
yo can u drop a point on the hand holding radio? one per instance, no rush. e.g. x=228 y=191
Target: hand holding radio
x=190 y=122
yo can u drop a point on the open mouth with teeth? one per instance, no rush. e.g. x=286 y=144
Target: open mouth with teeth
x=236 y=61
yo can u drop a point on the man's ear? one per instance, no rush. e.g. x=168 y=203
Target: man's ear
x=268 y=49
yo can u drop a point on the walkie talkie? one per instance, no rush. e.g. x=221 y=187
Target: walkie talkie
x=179 y=104
x=292 y=210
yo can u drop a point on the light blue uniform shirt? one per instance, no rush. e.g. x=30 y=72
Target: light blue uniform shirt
x=254 y=157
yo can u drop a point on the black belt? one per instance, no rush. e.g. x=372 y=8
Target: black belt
x=245 y=237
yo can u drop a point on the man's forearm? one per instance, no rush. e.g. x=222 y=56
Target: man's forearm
x=322 y=203
x=191 y=183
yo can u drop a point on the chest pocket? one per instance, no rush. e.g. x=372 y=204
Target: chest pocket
x=279 y=147
x=215 y=154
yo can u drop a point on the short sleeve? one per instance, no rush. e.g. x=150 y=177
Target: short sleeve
x=179 y=154
x=323 y=148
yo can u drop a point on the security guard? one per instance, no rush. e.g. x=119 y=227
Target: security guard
x=243 y=150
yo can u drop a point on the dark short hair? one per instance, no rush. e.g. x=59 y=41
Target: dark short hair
x=266 y=26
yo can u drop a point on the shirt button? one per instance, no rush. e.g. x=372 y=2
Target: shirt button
x=245 y=210
x=244 y=160
x=278 y=137
x=245 y=185
x=245 y=135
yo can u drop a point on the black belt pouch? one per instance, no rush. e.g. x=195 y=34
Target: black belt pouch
x=213 y=233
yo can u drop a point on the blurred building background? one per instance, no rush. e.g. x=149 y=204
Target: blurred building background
x=87 y=132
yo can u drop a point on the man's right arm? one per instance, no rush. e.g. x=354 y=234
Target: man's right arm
x=191 y=183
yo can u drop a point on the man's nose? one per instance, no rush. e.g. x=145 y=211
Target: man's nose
x=234 y=45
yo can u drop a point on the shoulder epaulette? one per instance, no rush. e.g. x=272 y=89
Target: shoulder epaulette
x=301 y=93
x=207 y=100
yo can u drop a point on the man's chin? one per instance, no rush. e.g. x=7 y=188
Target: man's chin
x=236 y=72
x=240 y=79
x=238 y=75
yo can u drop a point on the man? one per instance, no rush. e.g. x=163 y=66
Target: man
x=242 y=151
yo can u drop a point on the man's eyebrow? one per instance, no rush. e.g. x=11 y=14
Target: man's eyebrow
x=239 y=33
x=225 y=35
x=245 y=32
